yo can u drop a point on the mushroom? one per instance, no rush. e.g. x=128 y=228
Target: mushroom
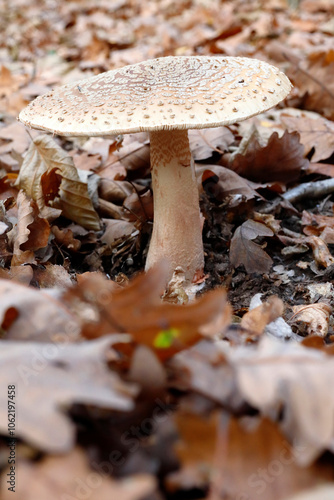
x=166 y=97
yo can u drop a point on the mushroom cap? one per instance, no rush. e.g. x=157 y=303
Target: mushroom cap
x=175 y=92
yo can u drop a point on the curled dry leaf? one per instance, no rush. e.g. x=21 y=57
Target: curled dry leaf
x=49 y=176
x=268 y=220
x=31 y=233
x=53 y=376
x=281 y=160
x=244 y=251
x=319 y=248
x=311 y=319
x=258 y=318
x=70 y=477
x=65 y=237
x=318 y=225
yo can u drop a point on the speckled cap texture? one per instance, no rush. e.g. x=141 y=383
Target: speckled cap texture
x=165 y=93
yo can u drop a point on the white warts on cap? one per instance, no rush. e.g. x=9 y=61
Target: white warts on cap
x=174 y=93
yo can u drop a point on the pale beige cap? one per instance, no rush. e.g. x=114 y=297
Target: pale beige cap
x=167 y=93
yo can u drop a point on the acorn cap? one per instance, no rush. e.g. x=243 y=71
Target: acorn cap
x=165 y=93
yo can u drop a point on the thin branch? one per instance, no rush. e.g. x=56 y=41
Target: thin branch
x=314 y=189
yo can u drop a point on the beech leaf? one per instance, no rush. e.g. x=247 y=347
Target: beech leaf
x=31 y=232
x=49 y=176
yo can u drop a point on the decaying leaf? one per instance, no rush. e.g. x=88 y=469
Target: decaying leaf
x=319 y=248
x=318 y=225
x=49 y=176
x=50 y=378
x=65 y=237
x=311 y=319
x=258 y=318
x=31 y=233
x=244 y=251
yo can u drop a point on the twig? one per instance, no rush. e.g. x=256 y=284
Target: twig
x=307 y=190
x=310 y=190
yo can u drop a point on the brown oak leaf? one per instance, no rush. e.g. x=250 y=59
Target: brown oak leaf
x=281 y=160
x=244 y=251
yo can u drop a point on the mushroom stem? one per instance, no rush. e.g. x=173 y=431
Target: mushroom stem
x=177 y=228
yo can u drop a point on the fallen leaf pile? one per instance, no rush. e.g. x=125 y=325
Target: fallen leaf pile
x=124 y=389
